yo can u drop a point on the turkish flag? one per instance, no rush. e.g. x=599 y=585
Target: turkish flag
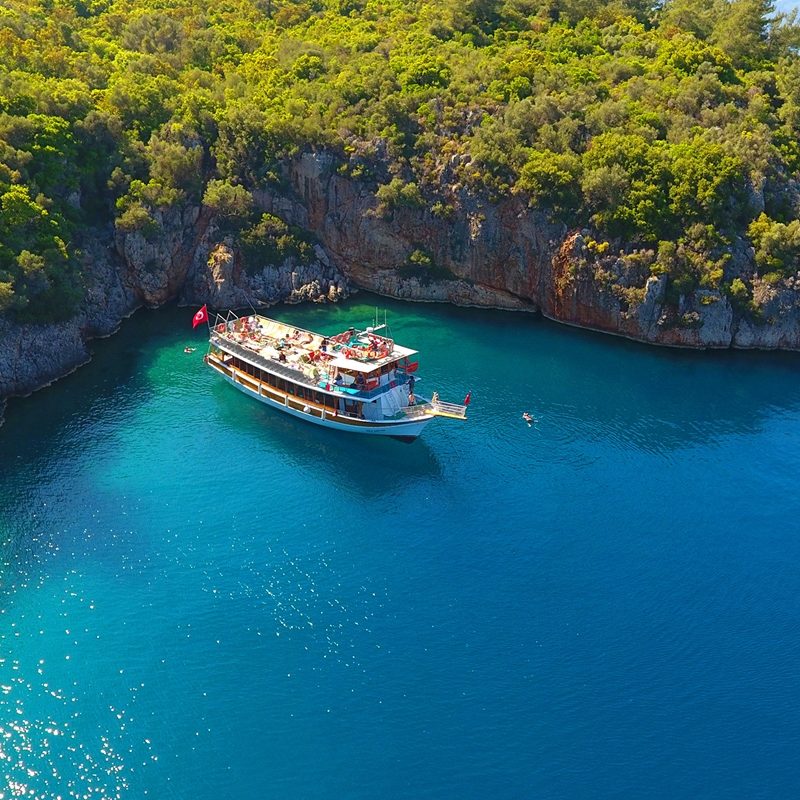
x=200 y=317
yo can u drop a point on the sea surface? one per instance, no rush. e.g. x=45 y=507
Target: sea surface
x=202 y=598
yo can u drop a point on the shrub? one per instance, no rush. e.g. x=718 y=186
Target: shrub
x=397 y=193
x=777 y=246
x=230 y=202
x=271 y=241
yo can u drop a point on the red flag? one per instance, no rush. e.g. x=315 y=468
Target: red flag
x=200 y=317
x=468 y=398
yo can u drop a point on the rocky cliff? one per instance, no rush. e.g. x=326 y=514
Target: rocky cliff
x=32 y=356
x=470 y=252
x=505 y=255
x=188 y=260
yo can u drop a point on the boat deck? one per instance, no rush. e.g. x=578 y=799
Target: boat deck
x=262 y=341
x=353 y=365
x=270 y=363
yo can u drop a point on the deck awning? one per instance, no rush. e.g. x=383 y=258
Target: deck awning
x=354 y=365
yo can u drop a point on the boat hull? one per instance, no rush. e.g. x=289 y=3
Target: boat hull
x=405 y=430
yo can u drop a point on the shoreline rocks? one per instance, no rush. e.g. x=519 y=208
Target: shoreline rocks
x=478 y=254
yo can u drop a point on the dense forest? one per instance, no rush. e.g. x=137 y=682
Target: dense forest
x=669 y=126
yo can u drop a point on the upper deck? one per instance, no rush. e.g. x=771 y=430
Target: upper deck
x=331 y=363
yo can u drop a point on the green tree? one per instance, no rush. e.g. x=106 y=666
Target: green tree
x=551 y=179
x=230 y=202
x=742 y=31
x=777 y=245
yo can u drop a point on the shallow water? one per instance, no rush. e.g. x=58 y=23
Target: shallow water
x=203 y=598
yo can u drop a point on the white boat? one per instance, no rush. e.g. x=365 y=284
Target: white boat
x=360 y=381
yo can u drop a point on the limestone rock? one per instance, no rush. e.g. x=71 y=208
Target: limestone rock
x=779 y=325
x=463 y=250
x=32 y=356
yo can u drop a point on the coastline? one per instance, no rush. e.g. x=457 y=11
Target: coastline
x=69 y=367
x=502 y=256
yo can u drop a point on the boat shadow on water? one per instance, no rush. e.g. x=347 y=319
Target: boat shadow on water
x=371 y=466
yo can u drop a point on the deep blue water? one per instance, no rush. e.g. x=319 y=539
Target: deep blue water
x=202 y=598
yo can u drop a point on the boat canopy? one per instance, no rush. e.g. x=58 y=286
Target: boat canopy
x=354 y=365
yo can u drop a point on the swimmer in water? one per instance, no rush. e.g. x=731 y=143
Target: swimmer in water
x=189 y=349
x=528 y=418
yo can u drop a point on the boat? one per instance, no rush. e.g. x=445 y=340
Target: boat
x=359 y=381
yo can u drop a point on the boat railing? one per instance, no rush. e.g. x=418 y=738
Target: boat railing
x=369 y=394
x=268 y=363
x=418 y=410
x=455 y=410
x=295 y=374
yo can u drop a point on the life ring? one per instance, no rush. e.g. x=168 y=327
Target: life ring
x=221 y=327
x=372 y=354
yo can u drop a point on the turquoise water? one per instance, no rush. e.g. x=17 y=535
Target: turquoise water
x=202 y=598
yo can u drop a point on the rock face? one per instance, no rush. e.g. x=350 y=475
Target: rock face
x=490 y=255
x=608 y=295
x=472 y=252
x=32 y=356
x=504 y=255
x=194 y=260
x=217 y=276
x=779 y=326
x=155 y=266
x=188 y=260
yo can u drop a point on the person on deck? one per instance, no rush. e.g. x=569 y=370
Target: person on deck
x=360 y=381
x=411 y=399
